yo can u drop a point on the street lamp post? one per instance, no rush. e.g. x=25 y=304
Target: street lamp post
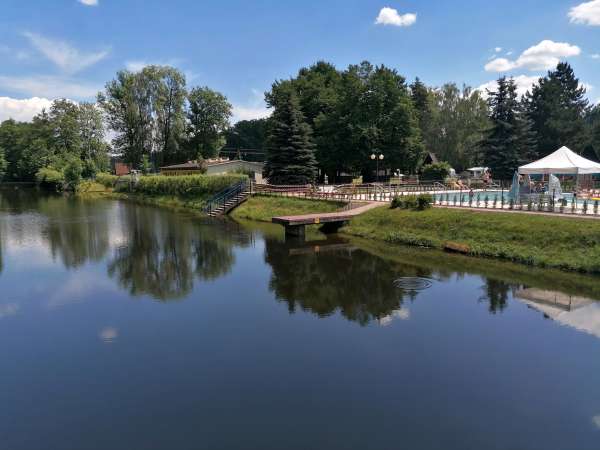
x=377 y=158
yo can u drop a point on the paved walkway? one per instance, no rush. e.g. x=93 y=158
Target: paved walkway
x=519 y=211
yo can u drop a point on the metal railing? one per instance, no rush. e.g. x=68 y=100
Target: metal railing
x=222 y=198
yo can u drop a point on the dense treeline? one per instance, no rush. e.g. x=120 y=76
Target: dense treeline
x=67 y=136
x=325 y=121
x=367 y=110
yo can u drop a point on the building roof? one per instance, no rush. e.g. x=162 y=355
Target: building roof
x=190 y=165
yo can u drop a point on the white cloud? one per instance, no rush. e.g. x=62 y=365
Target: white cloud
x=138 y=65
x=64 y=55
x=48 y=87
x=498 y=49
x=9 y=309
x=109 y=334
x=587 y=13
x=249 y=113
x=88 y=2
x=595 y=56
x=390 y=16
x=524 y=83
x=596 y=420
x=253 y=109
x=543 y=56
x=22 y=110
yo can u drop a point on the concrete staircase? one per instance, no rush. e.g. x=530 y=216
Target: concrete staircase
x=229 y=198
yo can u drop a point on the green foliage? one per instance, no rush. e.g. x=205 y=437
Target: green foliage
x=563 y=243
x=510 y=142
x=106 y=179
x=50 y=178
x=264 y=208
x=3 y=164
x=247 y=135
x=208 y=118
x=145 y=165
x=557 y=105
x=354 y=113
x=290 y=156
x=414 y=202
x=185 y=186
x=72 y=174
x=146 y=111
x=459 y=124
x=436 y=172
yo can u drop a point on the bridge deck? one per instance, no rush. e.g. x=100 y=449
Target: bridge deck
x=310 y=219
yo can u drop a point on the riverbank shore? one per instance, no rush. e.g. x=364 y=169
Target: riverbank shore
x=540 y=241
x=567 y=244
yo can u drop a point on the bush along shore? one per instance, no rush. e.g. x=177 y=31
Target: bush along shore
x=191 y=191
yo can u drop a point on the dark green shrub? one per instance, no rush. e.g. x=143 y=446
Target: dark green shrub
x=185 y=186
x=436 y=172
x=106 y=179
x=50 y=178
x=424 y=201
x=73 y=171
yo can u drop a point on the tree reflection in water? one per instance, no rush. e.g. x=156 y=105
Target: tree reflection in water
x=164 y=252
x=496 y=294
x=357 y=284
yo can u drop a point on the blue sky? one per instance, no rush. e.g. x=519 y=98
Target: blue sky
x=65 y=48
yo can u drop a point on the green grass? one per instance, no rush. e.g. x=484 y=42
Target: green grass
x=264 y=208
x=562 y=243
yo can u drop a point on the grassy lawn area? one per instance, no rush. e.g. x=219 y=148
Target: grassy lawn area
x=541 y=241
x=264 y=208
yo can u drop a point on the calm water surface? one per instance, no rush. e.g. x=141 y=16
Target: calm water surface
x=129 y=327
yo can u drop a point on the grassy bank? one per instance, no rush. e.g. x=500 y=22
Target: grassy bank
x=562 y=243
x=264 y=208
x=183 y=192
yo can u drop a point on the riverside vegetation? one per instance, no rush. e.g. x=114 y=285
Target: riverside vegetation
x=541 y=241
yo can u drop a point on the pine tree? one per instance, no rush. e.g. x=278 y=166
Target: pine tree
x=422 y=99
x=290 y=148
x=511 y=141
x=557 y=106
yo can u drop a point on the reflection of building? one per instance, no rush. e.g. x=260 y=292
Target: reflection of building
x=577 y=312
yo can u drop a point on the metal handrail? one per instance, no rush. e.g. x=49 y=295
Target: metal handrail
x=222 y=197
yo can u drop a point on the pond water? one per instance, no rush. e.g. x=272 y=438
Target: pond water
x=130 y=327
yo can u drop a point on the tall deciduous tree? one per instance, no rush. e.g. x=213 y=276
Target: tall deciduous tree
x=145 y=109
x=208 y=118
x=557 y=106
x=290 y=150
x=373 y=113
x=461 y=123
x=510 y=142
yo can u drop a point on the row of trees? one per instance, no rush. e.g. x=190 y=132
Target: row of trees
x=153 y=114
x=324 y=121
x=553 y=114
x=333 y=121
x=67 y=135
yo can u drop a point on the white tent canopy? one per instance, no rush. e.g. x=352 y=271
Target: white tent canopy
x=562 y=161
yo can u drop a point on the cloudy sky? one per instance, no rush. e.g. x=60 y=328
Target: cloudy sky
x=70 y=48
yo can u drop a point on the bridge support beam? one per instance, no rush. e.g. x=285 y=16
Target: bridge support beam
x=332 y=227
x=295 y=231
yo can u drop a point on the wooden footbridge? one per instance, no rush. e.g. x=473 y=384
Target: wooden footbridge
x=295 y=225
